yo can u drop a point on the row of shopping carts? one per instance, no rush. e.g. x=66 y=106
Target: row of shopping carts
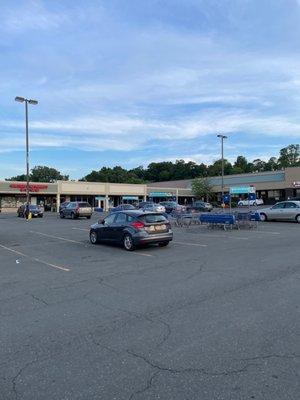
x=216 y=220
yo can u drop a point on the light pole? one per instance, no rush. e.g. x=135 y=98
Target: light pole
x=222 y=137
x=33 y=102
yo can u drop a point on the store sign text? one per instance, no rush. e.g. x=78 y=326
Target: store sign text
x=32 y=187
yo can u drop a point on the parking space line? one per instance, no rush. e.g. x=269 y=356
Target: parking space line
x=191 y=244
x=226 y=237
x=57 y=237
x=34 y=259
x=76 y=241
x=81 y=229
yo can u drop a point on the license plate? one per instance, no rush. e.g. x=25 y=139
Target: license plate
x=160 y=227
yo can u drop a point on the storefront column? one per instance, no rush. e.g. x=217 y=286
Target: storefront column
x=106 y=205
x=57 y=202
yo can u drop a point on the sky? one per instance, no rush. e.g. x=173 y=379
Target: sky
x=129 y=82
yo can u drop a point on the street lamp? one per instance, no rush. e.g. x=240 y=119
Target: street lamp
x=33 y=102
x=222 y=137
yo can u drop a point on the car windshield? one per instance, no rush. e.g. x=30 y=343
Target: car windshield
x=33 y=207
x=152 y=218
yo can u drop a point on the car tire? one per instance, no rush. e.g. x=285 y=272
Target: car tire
x=263 y=217
x=89 y=217
x=128 y=243
x=163 y=244
x=298 y=218
x=94 y=237
x=255 y=204
x=61 y=214
x=73 y=216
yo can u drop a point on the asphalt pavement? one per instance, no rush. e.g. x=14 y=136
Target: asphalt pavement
x=215 y=315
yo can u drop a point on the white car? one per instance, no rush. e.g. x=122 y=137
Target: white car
x=257 y=202
x=154 y=208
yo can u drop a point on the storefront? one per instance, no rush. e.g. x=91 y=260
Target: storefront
x=270 y=186
x=51 y=195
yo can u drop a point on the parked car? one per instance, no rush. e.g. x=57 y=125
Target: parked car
x=63 y=205
x=154 y=207
x=283 y=211
x=199 y=205
x=142 y=204
x=35 y=211
x=122 y=207
x=132 y=228
x=246 y=202
x=171 y=206
x=76 y=209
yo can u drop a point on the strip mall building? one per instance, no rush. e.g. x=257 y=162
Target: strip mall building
x=271 y=186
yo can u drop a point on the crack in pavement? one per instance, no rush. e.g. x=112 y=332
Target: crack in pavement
x=145 y=388
x=201 y=371
x=39 y=299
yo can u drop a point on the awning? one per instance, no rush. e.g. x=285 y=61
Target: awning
x=160 y=194
x=130 y=197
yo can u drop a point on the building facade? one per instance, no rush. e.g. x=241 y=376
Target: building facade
x=270 y=186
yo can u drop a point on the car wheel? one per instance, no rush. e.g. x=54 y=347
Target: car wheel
x=255 y=204
x=61 y=214
x=263 y=217
x=73 y=216
x=94 y=237
x=163 y=244
x=298 y=218
x=89 y=217
x=128 y=243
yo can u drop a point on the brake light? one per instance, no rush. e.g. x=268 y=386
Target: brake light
x=137 y=225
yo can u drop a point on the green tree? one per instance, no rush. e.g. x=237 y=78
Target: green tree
x=202 y=188
x=41 y=174
x=46 y=174
x=259 y=165
x=20 y=178
x=289 y=156
x=216 y=168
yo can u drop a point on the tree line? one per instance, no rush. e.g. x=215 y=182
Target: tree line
x=166 y=170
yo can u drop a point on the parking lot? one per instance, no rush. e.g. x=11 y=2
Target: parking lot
x=215 y=315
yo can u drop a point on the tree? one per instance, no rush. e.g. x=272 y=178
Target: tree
x=202 y=188
x=41 y=174
x=259 y=165
x=46 y=174
x=216 y=168
x=289 y=156
x=241 y=164
x=20 y=178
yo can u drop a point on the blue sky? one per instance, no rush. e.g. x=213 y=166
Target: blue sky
x=127 y=82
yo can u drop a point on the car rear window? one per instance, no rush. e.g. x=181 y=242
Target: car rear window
x=152 y=218
x=84 y=205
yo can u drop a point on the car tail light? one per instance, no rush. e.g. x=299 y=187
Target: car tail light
x=137 y=225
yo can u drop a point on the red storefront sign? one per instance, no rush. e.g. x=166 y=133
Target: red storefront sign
x=32 y=187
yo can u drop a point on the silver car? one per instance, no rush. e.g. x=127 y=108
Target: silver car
x=154 y=208
x=283 y=211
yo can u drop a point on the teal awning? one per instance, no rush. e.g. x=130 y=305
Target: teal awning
x=160 y=194
x=130 y=197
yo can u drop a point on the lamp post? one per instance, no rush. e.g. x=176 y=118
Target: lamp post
x=222 y=137
x=33 y=102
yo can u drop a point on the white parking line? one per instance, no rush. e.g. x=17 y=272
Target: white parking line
x=76 y=241
x=57 y=237
x=34 y=259
x=81 y=229
x=191 y=244
x=226 y=237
